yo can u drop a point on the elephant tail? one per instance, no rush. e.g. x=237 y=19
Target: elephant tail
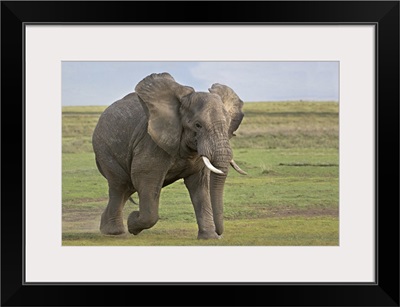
x=132 y=201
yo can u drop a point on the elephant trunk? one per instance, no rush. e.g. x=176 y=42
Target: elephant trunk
x=221 y=159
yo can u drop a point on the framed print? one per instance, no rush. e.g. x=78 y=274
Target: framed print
x=117 y=102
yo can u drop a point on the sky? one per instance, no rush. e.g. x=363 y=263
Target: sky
x=102 y=83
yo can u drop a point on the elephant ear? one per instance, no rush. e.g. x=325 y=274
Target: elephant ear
x=233 y=104
x=161 y=98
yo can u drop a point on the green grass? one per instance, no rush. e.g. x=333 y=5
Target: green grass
x=289 y=198
x=292 y=231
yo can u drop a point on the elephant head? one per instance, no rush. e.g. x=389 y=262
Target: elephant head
x=186 y=123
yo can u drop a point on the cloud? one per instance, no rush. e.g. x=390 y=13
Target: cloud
x=99 y=83
x=258 y=81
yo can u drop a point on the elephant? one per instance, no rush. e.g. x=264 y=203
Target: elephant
x=162 y=132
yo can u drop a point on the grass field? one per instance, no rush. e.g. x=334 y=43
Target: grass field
x=290 y=197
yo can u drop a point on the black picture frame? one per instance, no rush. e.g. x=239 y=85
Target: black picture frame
x=383 y=14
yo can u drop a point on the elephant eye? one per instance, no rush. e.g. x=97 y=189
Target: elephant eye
x=198 y=126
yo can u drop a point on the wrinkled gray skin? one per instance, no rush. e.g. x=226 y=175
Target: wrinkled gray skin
x=157 y=135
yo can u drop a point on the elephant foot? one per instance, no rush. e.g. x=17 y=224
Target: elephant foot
x=111 y=226
x=136 y=222
x=206 y=235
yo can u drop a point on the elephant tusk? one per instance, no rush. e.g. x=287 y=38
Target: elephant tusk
x=237 y=168
x=210 y=166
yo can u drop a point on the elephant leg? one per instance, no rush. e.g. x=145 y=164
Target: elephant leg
x=149 y=196
x=198 y=187
x=111 y=219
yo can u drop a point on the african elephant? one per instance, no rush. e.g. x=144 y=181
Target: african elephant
x=162 y=132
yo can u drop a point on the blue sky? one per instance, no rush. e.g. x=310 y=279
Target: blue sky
x=102 y=83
